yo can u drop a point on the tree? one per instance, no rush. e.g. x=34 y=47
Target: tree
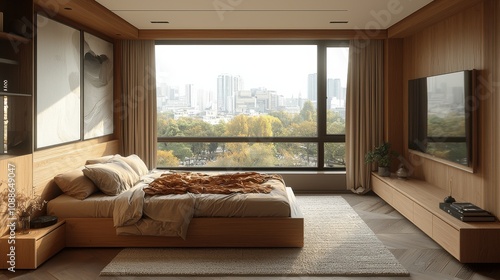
x=247 y=155
x=308 y=113
x=335 y=154
x=305 y=128
x=335 y=123
x=167 y=127
x=260 y=126
x=285 y=118
x=238 y=126
x=166 y=159
x=179 y=150
x=220 y=129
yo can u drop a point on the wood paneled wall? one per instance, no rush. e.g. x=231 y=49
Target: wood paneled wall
x=393 y=95
x=464 y=40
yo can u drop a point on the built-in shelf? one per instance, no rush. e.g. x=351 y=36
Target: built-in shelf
x=12 y=36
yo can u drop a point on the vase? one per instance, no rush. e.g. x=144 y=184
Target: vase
x=384 y=171
x=23 y=224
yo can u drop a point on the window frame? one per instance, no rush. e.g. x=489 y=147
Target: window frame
x=322 y=137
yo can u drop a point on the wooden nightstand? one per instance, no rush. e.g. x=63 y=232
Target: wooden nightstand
x=32 y=249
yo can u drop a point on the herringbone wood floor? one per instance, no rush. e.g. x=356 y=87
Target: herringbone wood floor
x=416 y=252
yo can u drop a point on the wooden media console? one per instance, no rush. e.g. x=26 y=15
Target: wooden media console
x=418 y=201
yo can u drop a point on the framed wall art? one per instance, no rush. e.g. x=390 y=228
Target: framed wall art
x=57 y=83
x=98 y=87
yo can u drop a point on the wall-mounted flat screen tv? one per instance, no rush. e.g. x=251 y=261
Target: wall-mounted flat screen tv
x=440 y=116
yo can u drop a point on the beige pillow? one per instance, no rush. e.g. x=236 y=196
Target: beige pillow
x=135 y=162
x=75 y=184
x=112 y=178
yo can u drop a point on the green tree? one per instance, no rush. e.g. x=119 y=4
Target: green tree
x=335 y=154
x=285 y=118
x=304 y=129
x=308 y=113
x=335 y=123
x=220 y=129
x=167 y=127
x=179 y=150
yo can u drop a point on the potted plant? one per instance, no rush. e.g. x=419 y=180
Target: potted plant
x=383 y=156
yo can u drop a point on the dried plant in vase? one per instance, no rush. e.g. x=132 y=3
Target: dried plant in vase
x=20 y=206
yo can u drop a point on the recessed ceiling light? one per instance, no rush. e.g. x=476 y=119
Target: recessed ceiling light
x=339 y=21
x=159 y=21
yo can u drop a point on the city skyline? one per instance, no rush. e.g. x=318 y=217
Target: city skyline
x=230 y=85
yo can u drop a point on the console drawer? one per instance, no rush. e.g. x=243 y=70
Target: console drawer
x=446 y=236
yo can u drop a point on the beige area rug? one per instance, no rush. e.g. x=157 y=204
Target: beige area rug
x=337 y=243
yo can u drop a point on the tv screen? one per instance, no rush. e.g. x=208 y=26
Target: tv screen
x=440 y=116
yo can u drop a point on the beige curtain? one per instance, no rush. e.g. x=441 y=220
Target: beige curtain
x=364 y=119
x=139 y=100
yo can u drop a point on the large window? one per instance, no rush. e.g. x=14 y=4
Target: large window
x=244 y=105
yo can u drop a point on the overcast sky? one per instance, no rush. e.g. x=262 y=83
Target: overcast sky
x=282 y=68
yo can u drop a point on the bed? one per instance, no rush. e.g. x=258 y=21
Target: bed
x=212 y=220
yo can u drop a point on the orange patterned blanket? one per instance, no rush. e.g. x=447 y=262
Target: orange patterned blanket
x=184 y=182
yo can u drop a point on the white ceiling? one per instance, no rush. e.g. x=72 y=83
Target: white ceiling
x=263 y=14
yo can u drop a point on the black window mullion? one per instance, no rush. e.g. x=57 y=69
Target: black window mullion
x=238 y=139
x=321 y=104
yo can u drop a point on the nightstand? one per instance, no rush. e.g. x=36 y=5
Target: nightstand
x=32 y=249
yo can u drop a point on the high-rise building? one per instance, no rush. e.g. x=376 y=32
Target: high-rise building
x=333 y=92
x=312 y=87
x=227 y=87
x=190 y=100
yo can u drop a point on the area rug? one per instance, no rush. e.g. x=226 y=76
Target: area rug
x=337 y=243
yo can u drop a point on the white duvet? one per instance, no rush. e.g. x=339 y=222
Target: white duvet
x=169 y=215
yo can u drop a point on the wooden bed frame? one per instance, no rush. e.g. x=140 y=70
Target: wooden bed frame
x=203 y=232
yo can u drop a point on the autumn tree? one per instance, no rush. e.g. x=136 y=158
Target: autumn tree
x=238 y=126
x=246 y=155
x=166 y=158
x=260 y=126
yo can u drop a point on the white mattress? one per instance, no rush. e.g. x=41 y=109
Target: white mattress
x=100 y=205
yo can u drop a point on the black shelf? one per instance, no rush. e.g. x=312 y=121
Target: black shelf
x=12 y=36
x=2 y=93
